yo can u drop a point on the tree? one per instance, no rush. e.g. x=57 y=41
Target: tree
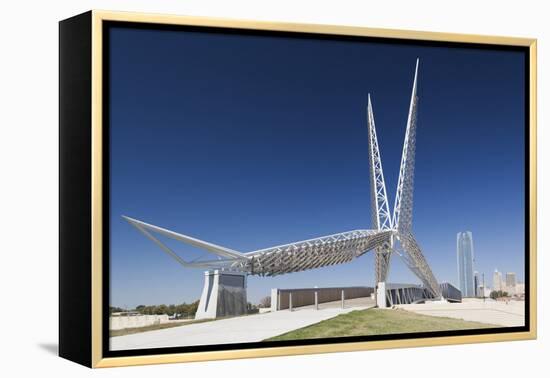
x=183 y=309
x=140 y=308
x=161 y=310
x=193 y=307
x=171 y=309
x=498 y=294
x=115 y=309
x=265 y=302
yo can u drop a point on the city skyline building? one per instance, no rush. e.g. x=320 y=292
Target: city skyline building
x=477 y=284
x=511 y=282
x=465 y=263
x=520 y=289
x=497 y=281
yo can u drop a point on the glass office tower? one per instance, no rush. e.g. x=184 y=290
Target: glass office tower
x=465 y=262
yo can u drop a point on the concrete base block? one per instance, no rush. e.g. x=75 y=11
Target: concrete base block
x=223 y=294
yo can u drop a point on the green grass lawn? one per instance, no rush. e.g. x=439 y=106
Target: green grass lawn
x=378 y=322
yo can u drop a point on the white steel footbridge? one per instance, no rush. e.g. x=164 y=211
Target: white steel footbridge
x=391 y=231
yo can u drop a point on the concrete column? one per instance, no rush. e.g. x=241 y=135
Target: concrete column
x=381 y=295
x=274 y=300
x=290 y=301
x=342 y=298
x=316 y=300
x=205 y=297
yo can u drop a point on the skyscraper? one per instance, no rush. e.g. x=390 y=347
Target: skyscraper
x=497 y=281
x=511 y=282
x=465 y=262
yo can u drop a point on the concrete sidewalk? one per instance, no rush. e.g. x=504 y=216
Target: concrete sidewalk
x=511 y=314
x=242 y=329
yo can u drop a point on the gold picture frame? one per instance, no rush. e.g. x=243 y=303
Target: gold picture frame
x=90 y=329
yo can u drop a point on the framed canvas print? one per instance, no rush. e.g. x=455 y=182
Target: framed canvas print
x=235 y=189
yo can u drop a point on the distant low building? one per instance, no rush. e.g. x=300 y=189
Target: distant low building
x=520 y=289
x=483 y=291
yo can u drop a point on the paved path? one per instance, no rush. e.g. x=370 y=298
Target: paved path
x=240 y=329
x=491 y=312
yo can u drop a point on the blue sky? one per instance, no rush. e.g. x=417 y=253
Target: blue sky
x=254 y=141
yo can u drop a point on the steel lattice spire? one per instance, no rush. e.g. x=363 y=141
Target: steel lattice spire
x=381 y=217
x=402 y=211
x=380 y=209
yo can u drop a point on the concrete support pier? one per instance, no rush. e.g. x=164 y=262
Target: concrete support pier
x=381 y=295
x=223 y=294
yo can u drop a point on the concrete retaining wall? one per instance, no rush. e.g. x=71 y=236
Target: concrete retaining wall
x=121 y=322
x=280 y=298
